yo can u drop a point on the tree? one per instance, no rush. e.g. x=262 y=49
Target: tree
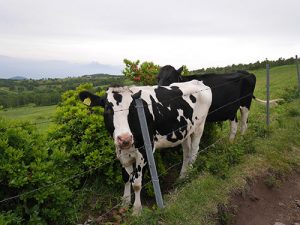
x=144 y=73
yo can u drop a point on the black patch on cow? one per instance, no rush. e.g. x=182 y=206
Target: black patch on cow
x=137 y=95
x=166 y=113
x=229 y=90
x=118 y=97
x=95 y=99
x=108 y=117
x=193 y=99
x=125 y=175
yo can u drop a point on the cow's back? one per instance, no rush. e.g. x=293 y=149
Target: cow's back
x=176 y=113
x=229 y=92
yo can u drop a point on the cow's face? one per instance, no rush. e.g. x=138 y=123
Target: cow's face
x=168 y=75
x=116 y=114
x=116 y=106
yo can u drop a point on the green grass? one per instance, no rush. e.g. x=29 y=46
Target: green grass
x=275 y=150
x=197 y=202
x=282 y=78
x=41 y=115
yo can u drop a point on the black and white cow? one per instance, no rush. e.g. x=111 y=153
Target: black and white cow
x=230 y=92
x=175 y=115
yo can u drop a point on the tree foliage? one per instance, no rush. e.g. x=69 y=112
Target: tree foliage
x=144 y=74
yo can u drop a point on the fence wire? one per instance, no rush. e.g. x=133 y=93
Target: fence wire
x=85 y=172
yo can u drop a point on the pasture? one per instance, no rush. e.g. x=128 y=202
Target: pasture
x=40 y=115
x=221 y=168
x=224 y=169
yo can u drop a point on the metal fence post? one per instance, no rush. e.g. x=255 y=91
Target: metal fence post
x=298 y=73
x=149 y=152
x=268 y=95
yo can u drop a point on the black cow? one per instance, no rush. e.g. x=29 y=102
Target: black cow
x=230 y=92
x=175 y=115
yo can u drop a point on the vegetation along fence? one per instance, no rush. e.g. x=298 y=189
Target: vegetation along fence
x=156 y=177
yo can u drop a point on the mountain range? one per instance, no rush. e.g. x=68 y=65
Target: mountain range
x=11 y=67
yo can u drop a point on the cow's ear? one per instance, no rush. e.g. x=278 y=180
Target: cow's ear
x=91 y=100
x=137 y=95
x=180 y=70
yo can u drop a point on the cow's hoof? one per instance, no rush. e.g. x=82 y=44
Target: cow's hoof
x=137 y=211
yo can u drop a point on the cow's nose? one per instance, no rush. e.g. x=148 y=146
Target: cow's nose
x=125 y=140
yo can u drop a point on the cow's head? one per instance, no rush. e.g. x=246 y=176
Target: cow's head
x=168 y=75
x=116 y=104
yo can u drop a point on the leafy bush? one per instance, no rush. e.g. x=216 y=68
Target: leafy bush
x=80 y=133
x=30 y=172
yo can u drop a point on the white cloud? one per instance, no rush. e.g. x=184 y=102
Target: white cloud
x=195 y=33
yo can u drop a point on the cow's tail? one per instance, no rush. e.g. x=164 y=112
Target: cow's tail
x=273 y=102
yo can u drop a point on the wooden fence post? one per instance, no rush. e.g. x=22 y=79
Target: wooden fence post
x=268 y=95
x=298 y=73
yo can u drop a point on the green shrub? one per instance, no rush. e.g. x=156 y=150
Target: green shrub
x=144 y=74
x=29 y=171
x=80 y=133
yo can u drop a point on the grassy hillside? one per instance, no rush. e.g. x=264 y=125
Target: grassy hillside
x=42 y=115
x=221 y=169
x=261 y=151
x=48 y=91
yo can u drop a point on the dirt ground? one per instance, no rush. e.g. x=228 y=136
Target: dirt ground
x=269 y=201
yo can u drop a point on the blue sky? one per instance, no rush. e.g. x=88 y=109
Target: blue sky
x=54 y=38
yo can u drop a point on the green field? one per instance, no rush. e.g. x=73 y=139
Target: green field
x=276 y=149
x=281 y=79
x=196 y=200
x=42 y=116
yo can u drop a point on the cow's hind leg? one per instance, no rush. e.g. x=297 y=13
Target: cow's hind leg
x=244 y=119
x=195 y=141
x=186 y=148
x=233 y=128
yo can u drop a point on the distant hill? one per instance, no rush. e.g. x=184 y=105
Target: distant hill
x=18 y=78
x=39 y=69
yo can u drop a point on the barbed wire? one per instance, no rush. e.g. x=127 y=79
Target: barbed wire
x=102 y=216
x=171 y=99
x=72 y=177
x=56 y=183
x=80 y=174
x=29 y=124
x=205 y=89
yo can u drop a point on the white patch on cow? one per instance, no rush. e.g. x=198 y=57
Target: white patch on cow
x=126 y=156
x=244 y=118
x=180 y=114
x=120 y=110
x=126 y=200
x=173 y=135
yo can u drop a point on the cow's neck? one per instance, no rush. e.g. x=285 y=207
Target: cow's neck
x=127 y=156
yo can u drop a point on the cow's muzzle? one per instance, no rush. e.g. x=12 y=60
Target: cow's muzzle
x=125 y=141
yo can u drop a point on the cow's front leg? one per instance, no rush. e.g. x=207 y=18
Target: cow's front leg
x=126 y=173
x=137 y=183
